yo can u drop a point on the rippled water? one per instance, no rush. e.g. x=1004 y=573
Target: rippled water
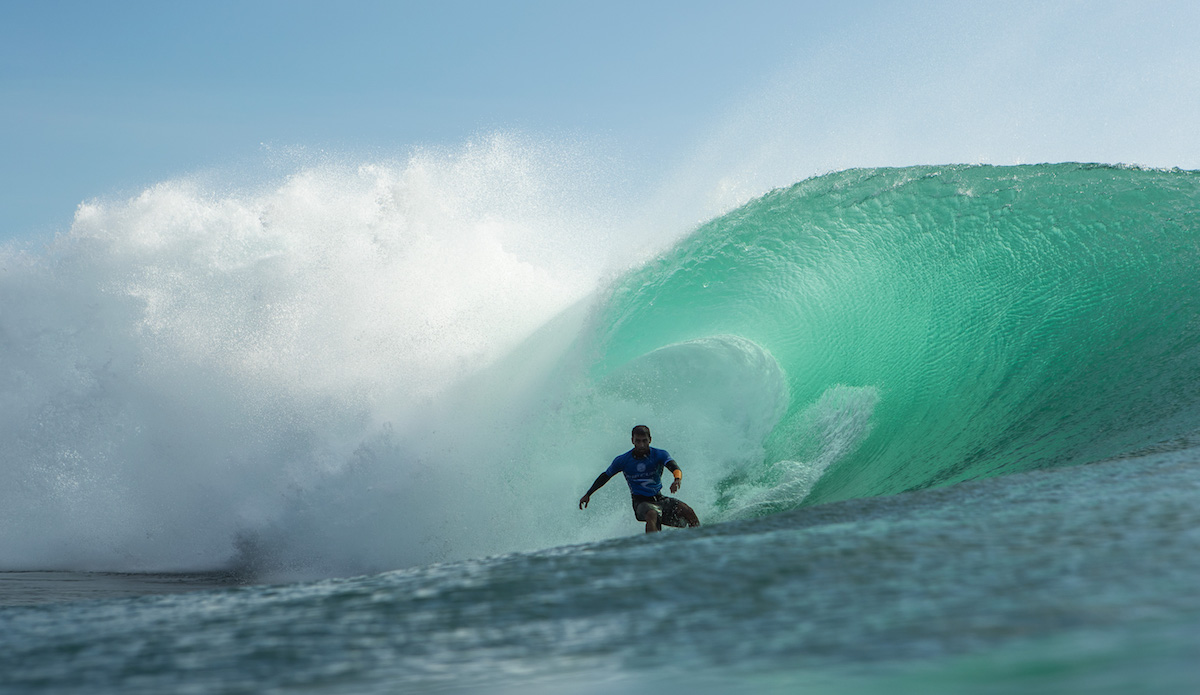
x=1081 y=578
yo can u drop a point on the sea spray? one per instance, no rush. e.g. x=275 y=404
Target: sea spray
x=200 y=377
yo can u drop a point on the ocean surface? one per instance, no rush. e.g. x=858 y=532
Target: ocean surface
x=941 y=423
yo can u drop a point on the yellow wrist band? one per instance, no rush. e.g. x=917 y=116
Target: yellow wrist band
x=678 y=474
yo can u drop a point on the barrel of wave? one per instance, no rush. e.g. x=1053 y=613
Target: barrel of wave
x=713 y=403
x=1000 y=318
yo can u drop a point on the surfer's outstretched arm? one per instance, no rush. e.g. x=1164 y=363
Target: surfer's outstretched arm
x=600 y=481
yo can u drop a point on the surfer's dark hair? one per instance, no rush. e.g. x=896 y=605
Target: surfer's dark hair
x=640 y=428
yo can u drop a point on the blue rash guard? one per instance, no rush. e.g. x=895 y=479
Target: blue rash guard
x=643 y=475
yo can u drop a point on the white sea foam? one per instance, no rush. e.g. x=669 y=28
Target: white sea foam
x=197 y=377
x=831 y=429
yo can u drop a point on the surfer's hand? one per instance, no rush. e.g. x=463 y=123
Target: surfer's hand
x=583 y=501
x=675 y=485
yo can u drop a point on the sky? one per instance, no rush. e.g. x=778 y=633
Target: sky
x=705 y=103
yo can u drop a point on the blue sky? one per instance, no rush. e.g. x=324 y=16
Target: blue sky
x=101 y=99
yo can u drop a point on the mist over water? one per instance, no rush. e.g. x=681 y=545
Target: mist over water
x=274 y=377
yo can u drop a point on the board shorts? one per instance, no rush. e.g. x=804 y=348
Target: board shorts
x=668 y=509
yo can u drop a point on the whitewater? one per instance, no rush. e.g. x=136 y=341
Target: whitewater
x=940 y=423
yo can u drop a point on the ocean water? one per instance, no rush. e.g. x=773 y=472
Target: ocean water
x=941 y=424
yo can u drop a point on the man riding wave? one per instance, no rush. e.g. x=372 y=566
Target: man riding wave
x=643 y=466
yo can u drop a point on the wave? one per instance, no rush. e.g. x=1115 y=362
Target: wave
x=374 y=367
x=1003 y=318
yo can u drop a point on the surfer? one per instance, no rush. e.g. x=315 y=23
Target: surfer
x=643 y=466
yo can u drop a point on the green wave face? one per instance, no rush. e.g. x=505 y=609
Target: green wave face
x=930 y=324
